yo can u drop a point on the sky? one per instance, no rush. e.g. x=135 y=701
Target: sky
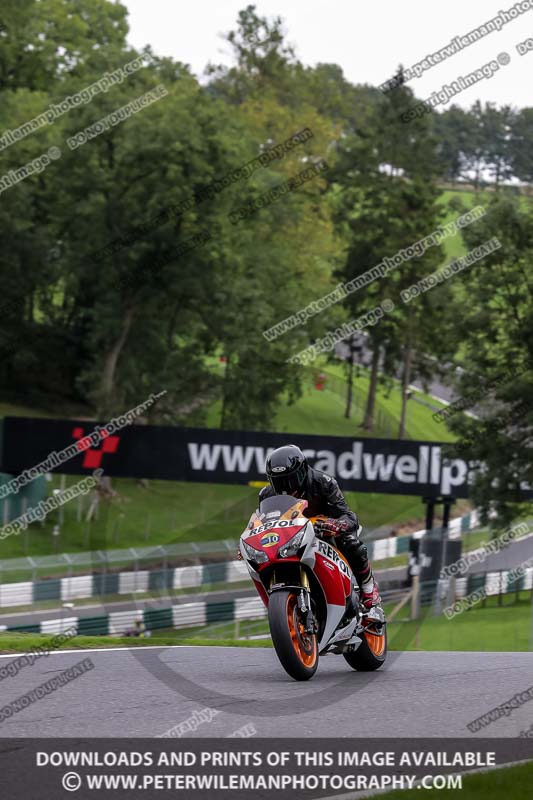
x=368 y=40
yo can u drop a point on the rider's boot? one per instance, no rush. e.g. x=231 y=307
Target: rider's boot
x=371 y=600
x=356 y=553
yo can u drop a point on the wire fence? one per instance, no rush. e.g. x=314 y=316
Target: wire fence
x=190 y=553
x=134 y=558
x=385 y=423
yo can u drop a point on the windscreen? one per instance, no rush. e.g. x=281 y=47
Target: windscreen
x=272 y=508
x=280 y=503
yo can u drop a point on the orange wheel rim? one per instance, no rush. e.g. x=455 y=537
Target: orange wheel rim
x=375 y=642
x=304 y=644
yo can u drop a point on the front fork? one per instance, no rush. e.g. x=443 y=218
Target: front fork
x=304 y=604
x=304 y=601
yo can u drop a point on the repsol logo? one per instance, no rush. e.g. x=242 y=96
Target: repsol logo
x=282 y=523
x=331 y=553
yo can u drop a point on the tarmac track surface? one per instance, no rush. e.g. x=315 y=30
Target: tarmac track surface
x=143 y=692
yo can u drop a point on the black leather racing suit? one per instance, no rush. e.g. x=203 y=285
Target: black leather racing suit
x=324 y=497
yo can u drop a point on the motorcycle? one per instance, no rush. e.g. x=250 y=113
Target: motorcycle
x=311 y=594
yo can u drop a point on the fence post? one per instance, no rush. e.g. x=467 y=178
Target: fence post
x=103 y=558
x=452 y=590
x=136 y=568
x=62 y=487
x=27 y=531
x=531 y=633
x=415 y=597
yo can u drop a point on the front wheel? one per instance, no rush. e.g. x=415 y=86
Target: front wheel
x=371 y=653
x=296 y=649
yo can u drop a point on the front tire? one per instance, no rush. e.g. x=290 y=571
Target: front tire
x=296 y=649
x=370 y=654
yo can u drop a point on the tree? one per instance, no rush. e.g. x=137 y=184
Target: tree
x=497 y=125
x=285 y=253
x=475 y=149
x=453 y=129
x=45 y=42
x=521 y=145
x=387 y=203
x=497 y=329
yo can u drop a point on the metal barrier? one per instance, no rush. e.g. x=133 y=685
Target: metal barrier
x=163 y=580
x=203 y=613
x=185 y=615
x=66 y=564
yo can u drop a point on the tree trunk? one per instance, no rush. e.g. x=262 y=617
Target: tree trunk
x=111 y=360
x=349 y=387
x=368 y=422
x=478 y=175
x=406 y=380
x=498 y=175
x=223 y=411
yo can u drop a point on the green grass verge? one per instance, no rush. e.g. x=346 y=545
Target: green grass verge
x=419 y=419
x=168 y=512
x=494 y=628
x=21 y=642
x=321 y=411
x=512 y=782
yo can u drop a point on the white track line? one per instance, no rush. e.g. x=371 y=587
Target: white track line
x=114 y=649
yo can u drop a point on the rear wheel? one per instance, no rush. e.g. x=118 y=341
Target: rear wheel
x=296 y=649
x=372 y=651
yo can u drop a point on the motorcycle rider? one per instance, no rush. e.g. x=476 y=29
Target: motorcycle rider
x=289 y=473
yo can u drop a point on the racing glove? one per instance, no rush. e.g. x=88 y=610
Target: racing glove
x=331 y=527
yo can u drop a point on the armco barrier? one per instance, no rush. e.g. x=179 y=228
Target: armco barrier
x=187 y=615
x=174 y=578
x=121 y=583
x=184 y=615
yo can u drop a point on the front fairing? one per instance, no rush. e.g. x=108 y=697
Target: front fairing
x=275 y=522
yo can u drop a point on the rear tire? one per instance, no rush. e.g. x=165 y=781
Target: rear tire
x=296 y=650
x=370 y=654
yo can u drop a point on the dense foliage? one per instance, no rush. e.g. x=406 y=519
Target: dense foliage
x=181 y=302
